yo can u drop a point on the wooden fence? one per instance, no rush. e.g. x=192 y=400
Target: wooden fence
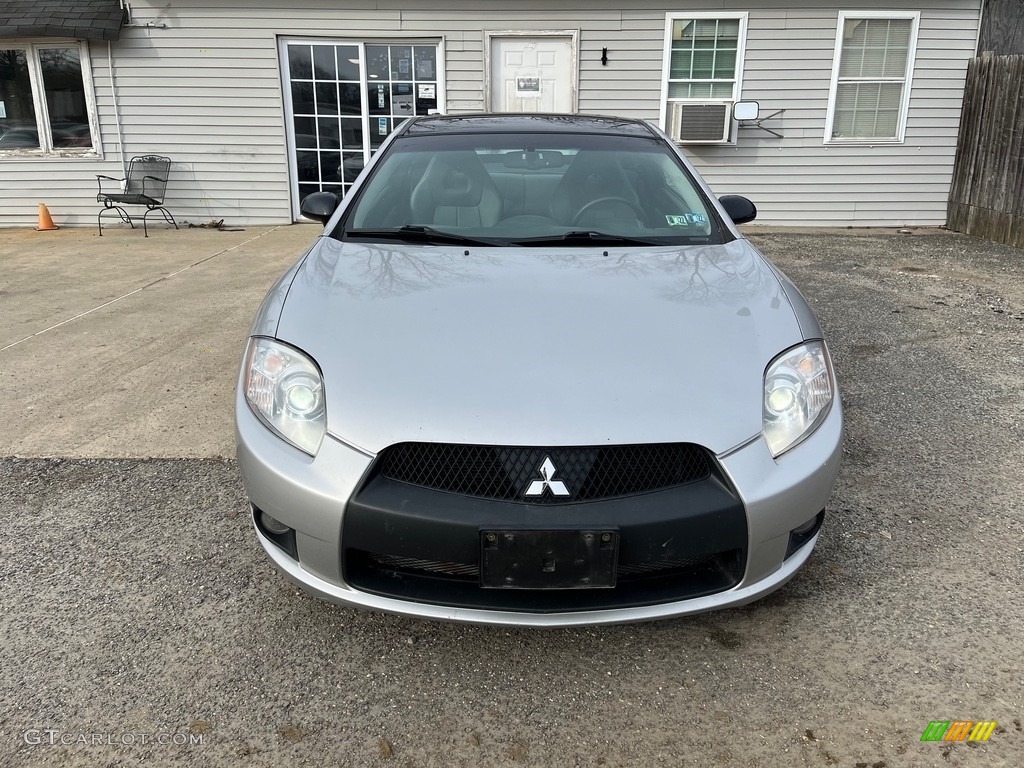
x=986 y=198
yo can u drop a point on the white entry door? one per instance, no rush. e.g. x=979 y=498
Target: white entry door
x=533 y=74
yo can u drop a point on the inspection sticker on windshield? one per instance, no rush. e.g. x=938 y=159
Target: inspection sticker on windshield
x=686 y=219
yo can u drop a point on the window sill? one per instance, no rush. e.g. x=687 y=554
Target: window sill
x=58 y=154
x=861 y=142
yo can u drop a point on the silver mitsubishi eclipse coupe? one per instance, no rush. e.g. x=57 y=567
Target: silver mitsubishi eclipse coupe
x=531 y=373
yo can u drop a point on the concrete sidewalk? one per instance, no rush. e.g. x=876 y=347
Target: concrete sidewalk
x=129 y=346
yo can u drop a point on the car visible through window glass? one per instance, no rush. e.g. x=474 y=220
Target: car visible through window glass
x=531 y=372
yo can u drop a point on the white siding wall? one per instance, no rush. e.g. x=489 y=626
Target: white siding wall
x=799 y=179
x=206 y=90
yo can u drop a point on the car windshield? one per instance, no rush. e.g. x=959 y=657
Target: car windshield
x=550 y=189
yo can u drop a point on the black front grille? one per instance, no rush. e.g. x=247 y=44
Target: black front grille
x=447 y=583
x=505 y=473
x=471 y=571
x=425 y=545
x=419 y=564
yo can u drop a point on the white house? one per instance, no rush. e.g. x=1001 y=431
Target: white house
x=259 y=102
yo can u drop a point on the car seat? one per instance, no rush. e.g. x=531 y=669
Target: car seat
x=456 y=191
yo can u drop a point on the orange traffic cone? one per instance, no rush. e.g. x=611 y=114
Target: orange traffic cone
x=45 y=222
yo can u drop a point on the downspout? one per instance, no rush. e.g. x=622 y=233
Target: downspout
x=117 y=115
x=981 y=22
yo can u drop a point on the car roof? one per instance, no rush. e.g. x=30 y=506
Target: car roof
x=527 y=123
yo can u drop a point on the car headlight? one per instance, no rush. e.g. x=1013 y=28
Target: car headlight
x=798 y=391
x=285 y=389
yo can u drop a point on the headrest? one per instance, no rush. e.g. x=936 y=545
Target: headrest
x=455 y=179
x=453 y=187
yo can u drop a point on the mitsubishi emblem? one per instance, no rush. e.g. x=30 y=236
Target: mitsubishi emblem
x=547 y=472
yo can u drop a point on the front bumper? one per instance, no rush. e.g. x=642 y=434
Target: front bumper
x=313 y=495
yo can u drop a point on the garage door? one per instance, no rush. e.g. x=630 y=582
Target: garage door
x=343 y=98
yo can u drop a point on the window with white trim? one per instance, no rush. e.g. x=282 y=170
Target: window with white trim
x=704 y=56
x=46 y=99
x=871 y=76
x=701 y=75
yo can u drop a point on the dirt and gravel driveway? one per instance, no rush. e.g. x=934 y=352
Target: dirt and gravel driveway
x=141 y=624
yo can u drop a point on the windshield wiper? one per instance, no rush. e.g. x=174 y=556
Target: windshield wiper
x=587 y=237
x=415 y=233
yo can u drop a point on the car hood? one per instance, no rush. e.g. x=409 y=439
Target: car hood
x=539 y=346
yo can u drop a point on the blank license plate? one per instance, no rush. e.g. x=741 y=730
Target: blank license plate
x=546 y=559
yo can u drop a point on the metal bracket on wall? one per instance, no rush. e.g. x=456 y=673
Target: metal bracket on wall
x=758 y=123
x=130 y=22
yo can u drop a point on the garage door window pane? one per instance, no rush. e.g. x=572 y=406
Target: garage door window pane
x=351 y=165
x=348 y=62
x=329 y=133
x=300 y=62
x=426 y=56
x=401 y=62
x=352 y=133
x=325 y=63
x=305 y=132
x=302 y=98
x=377 y=63
x=327 y=98
x=308 y=166
x=330 y=168
x=350 y=98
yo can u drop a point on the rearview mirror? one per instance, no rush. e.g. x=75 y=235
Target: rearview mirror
x=534 y=160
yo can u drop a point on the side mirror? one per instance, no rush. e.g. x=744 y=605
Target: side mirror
x=319 y=206
x=740 y=209
x=745 y=110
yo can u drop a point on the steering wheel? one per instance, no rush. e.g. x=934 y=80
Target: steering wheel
x=640 y=213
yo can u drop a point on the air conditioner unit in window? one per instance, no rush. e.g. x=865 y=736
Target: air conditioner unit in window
x=700 y=123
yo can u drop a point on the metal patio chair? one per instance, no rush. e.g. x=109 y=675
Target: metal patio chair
x=145 y=185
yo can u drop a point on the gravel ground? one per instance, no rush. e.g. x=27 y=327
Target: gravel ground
x=137 y=606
